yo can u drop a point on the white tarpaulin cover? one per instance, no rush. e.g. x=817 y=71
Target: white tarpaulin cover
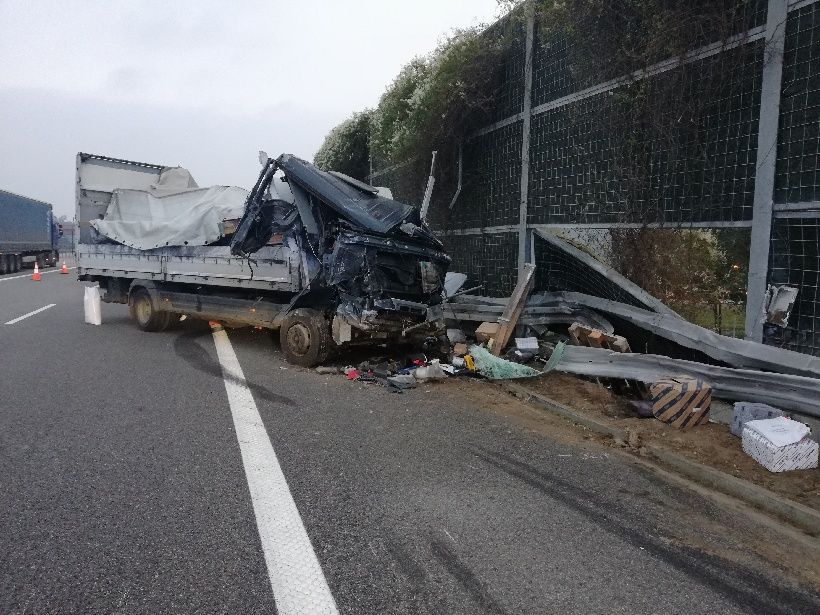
x=172 y=212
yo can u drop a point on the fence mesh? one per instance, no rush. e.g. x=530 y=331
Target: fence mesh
x=672 y=150
x=795 y=260
x=798 y=147
x=487 y=259
x=684 y=152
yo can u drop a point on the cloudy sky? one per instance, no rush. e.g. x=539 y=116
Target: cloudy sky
x=199 y=83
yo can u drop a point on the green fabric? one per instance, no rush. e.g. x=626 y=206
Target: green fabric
x=496 y=368
x=555 y=357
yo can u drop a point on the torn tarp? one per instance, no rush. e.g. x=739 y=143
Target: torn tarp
x=172 y=212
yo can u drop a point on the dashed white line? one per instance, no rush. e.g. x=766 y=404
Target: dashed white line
x=298 y=583
x=24 y=316
x=28 y=275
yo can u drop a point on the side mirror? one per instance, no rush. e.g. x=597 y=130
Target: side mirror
x=263 y=157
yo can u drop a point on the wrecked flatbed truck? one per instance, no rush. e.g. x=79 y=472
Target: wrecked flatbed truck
x=328 y=261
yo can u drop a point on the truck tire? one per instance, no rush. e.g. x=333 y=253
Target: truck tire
x=19 y=262
x=305 y=337
x=5 y=264
x=144 y=314
x=41 y=260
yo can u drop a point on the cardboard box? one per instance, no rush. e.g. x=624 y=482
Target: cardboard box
x=745 y=411
x=800 y=455
x=681 y=401
x=486 y=331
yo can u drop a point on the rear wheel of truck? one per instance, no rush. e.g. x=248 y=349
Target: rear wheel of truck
x=145 y=315
x=305 y=338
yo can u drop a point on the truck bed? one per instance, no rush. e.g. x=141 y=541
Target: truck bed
x=272 y=267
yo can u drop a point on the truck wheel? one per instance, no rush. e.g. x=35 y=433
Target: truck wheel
x=19 y=262
x=143 y=312
x=305 y=338
x=41 y=261
x=5 y=264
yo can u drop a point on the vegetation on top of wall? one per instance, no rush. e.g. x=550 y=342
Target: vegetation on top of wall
x=433 y=103
x=437 y=99
x=346 y=148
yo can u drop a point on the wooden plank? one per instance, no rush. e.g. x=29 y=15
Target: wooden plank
x=514 y=308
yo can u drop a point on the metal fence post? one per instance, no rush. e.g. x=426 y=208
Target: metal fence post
x=525 y=141
x=765 y=168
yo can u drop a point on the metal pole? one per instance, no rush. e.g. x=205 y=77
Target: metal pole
x=765 y=174
x=525 y=141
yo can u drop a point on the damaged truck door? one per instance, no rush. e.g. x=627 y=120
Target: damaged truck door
x=323 y=258
x=371 y=268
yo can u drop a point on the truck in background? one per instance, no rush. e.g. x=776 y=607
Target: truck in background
x=28 y=233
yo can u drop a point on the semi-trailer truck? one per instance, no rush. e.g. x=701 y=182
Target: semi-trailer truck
x=28 y=233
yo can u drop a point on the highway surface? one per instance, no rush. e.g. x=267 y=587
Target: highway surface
x=193 y=471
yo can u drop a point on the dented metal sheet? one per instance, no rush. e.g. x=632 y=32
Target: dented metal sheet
x=730 y=350
x=584 y=260
x=364 y=208
x=796 y=393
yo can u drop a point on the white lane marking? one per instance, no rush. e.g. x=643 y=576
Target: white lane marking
x=28 y=275
x=298 y=583
x=24 y=316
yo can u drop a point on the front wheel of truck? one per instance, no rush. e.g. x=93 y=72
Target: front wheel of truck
x=145 y=315
x=305 y=338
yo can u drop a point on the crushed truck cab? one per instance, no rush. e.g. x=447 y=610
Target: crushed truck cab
x=325 y=259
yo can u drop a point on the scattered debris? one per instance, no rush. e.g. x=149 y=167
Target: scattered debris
x=403 y=381
x=430 y=372
x=780 y=444
x=779 y=302
x=527 y=344
x=486 y=331
x=681 y=401
x=327 y=370
x=456 y=336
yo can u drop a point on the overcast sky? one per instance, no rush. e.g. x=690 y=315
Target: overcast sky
x=201 y=83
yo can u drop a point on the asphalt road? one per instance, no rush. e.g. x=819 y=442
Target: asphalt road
x=123 y=488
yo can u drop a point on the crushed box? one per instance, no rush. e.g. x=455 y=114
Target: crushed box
x=681 y=401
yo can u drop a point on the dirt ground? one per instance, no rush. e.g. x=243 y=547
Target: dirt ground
x=711 y=444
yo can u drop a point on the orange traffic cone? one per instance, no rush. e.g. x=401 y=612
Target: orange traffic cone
x=63 y=269
x=36 y=275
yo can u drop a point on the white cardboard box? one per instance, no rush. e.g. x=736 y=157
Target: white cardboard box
x=800 y=455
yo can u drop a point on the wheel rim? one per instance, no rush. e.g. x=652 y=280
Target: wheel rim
x=298 y=339
x=142 y=309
